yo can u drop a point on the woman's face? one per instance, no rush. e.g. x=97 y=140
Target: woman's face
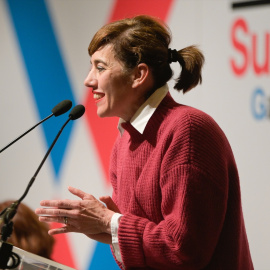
x=111 y=86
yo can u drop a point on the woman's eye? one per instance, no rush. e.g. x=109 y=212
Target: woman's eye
x=99 y=68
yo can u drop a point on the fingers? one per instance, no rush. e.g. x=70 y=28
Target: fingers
x=88 y=216
x=68 y=204
x=81 y=194
x=64 y=229
x=65 y=204
x=110 y=203
x=60 y=212
x=53 y=219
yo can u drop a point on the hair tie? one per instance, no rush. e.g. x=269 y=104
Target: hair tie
x=173 y=56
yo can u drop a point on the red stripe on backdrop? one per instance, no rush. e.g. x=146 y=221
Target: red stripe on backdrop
x=104 y=131
x=157 y=8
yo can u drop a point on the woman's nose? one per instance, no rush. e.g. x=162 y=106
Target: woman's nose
x=90 y=81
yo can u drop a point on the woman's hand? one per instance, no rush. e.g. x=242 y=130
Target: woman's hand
x=88 y=215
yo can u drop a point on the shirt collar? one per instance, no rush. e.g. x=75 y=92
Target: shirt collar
x=144 y=113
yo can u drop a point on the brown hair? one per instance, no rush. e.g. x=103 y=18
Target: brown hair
x=28 y=232
x=144 y=39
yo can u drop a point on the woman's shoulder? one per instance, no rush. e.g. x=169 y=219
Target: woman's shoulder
x=192 y=123
x=185 y=115
x=172 y=109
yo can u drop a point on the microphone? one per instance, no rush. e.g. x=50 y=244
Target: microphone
x=7 y=214
x=59 y=109
x=77 y=112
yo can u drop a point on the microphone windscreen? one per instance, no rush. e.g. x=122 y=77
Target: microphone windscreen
x=62 y=107
x=77 y=112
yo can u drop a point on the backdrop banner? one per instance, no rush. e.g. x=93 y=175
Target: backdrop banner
x=44 y=59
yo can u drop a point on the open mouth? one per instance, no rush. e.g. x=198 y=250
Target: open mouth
x=98 y=96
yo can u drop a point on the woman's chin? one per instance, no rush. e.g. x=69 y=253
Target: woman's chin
x=103 y=114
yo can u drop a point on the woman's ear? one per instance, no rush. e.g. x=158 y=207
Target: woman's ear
x=141 y=75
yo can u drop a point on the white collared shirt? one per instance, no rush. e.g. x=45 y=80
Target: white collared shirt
x=139 y=122
x=144 y=113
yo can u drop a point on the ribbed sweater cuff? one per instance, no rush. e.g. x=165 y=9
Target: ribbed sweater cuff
x=130 y=237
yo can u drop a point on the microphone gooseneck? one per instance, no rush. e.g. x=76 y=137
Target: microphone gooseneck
x=59 y=109
x=8 y=213
x=75 y=113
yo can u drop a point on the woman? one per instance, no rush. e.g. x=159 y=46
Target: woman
x=176 y=196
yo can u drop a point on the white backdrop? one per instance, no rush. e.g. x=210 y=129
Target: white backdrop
x=238 y=99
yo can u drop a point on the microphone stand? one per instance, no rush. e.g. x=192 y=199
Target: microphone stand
x=57 y=110
x=7 y=215
x=26 y=132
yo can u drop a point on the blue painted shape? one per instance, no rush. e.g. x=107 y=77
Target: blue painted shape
x=45 y=69
x=103 y=258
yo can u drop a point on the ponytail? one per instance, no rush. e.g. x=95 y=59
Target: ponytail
x=191 y=60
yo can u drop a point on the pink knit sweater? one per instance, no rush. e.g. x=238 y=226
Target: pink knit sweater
x=177 y=186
